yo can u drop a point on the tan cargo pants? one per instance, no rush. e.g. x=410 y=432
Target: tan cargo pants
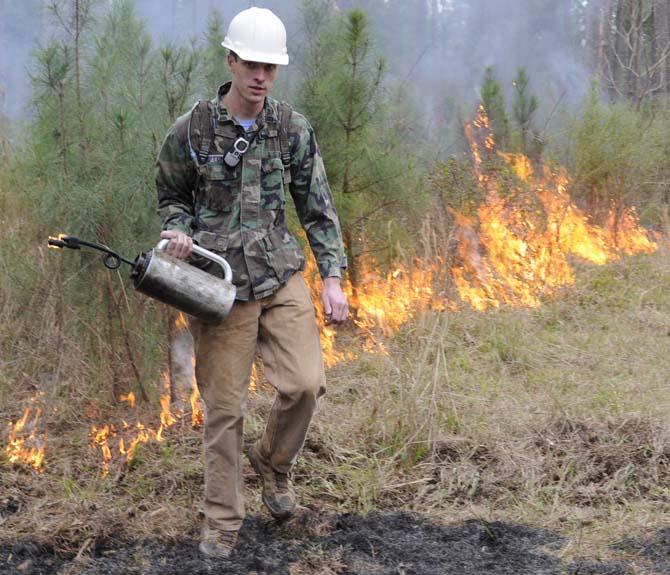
x=283 y=326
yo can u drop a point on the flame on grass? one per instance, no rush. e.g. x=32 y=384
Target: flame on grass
x=197 y=413
x=25 y=444
x=130 y=398
x=122 y=441
x=512 y=251
x=380 y=305
x=515 y=251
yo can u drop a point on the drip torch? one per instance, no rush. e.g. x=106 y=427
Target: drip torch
x=168 y=279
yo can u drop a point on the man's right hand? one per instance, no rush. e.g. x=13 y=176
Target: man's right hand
x=180 y=245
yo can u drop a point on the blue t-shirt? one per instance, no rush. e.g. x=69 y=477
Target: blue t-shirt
x=246 y=124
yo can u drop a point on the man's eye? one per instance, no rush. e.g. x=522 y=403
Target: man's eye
x=270 y=67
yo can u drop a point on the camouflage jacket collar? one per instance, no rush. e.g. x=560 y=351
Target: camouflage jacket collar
x=269 y=115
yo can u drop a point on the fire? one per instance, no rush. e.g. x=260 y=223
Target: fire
x=403 y=293
x=180 y=322
x=517 y=254
x=166 y=416
x=512 y=250
x=100 y=437
x=123 y=441
x=111 y=441
x=380 y=305
x=25 y=444
x=57 y=238
x=197 y=414
x=130 y=398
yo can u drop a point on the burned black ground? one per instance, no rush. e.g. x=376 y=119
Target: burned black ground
x=379 y=544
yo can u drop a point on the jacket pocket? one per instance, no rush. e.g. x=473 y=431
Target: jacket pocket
x=221 y=187
x=283 y=253
x=272 y=184
x=211 y=241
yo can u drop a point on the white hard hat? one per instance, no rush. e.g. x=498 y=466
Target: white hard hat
x=257 y=35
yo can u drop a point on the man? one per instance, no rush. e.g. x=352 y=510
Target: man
x=221 y=176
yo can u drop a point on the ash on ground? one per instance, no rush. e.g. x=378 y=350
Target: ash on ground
x=311 y=544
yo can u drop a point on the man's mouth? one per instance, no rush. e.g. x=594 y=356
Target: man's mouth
x=257 y=89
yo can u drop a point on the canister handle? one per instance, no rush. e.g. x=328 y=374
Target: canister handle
x=227 y=271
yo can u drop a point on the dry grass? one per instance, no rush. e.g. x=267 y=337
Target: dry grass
x=318 y=561
x=555 y=417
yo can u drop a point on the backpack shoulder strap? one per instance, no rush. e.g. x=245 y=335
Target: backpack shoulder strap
x=200 y=132
x=205 y=125
x=285 y=111
x=201 y=123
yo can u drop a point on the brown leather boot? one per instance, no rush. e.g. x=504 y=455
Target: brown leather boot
x=278 y=494
x=217 y=544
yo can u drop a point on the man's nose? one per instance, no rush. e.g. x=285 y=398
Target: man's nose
x=260 y=74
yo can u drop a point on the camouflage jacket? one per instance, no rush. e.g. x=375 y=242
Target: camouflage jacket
x=240 y=212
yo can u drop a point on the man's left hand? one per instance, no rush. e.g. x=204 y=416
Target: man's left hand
x=335 y=305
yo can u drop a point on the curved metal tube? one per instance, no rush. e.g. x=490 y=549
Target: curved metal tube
x=227 y=271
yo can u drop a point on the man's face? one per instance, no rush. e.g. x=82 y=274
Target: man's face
x=252 y=80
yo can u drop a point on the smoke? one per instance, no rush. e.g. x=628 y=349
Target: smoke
x=20 y=25
x=444 y=57
x=436 y=49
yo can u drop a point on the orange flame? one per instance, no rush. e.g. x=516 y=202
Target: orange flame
x=517 y=254
x=512 y=251
x=25 y=445
x=130 y=398
x=56 y=238
x=109 y=440
x=167 y=417
x=180 y=322
x=381 y=304
x=197 y=414
x=100 y=437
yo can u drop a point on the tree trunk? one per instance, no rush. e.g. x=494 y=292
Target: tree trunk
x=181 y=361
x=661 y=45
x=622 y=59
x=78 y=25
x=598 y=39
x=352 y=263
x=4 y=152
x=604 y=37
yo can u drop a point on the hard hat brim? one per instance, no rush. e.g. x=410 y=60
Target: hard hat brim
x=256 y=56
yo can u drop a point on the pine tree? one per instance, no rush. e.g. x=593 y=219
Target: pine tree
x=494 y=103
x=344 y=98
x=213 y=54
x=524 y=107
x=51 y=75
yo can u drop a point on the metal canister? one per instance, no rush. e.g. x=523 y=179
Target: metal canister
x=181 y=285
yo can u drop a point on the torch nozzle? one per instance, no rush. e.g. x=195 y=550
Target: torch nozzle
x=112 y=260
x=64 y=241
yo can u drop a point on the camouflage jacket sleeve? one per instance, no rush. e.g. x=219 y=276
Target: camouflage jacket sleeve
x=176 y=179
x=314 y=200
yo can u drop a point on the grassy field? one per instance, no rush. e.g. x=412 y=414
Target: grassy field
x=554 y=417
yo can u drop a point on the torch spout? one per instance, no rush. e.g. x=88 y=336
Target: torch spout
x=112 y=260
x=63 y=241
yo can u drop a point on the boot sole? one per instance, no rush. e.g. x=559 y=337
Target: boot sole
x=209 y=553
